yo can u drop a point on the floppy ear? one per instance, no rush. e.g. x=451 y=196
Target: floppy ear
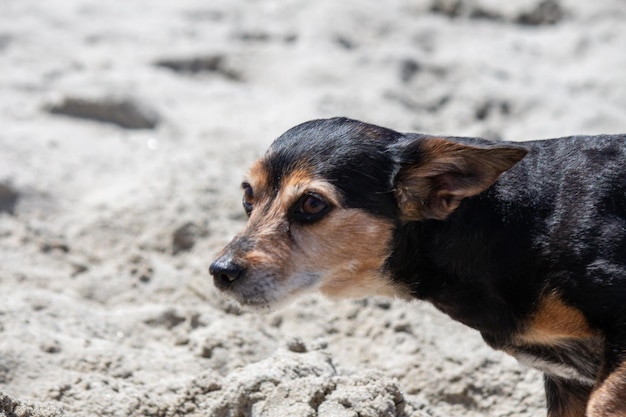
x=436 y=174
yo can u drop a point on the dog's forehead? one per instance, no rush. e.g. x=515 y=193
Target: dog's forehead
x=327 y=137
x=350 y=155
x=266 y=178
x=325 y=147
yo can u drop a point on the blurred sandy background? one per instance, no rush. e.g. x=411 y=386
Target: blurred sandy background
x=126 y=127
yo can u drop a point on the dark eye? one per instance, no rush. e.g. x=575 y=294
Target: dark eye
x=309 y=208
x=248 y=198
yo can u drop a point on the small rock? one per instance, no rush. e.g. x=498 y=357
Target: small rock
x=126 y=112
x=484 y=110
x=480 y=13
x=276 y=321
x=191 y=65
x=181 y=340
x=253 y=36
x=547 y=12
x=403 y=327
x=382 y=303
x=464 y=9
x=8 y=198
x=169 y=319
x=345 y=42
x=50 y=346
x=195 y=65
x=408 y=69
x=8 y=368
x=48 y=246
x=141 y=268
x=185 y=236
x=450 y=8
x=296 y=345
x=5 y=40
x=79 y=268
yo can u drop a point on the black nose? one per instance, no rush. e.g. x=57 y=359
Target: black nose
x=225 y=271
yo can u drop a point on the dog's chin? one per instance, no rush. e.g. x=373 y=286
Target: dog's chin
x=258 y=304
x=274 y=299
x=266 y=303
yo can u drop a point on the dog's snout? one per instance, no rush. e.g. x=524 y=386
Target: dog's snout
x=225 y=271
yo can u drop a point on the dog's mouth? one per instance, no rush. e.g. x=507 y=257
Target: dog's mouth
x=258 y=303
x=265 y=291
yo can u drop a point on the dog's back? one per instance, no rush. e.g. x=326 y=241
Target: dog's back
x=576 y=189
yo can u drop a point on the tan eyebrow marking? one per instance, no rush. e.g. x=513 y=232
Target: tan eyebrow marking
x=257 y=175
x=302 y=181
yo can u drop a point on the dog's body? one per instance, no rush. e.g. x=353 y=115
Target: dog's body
x=524 y=242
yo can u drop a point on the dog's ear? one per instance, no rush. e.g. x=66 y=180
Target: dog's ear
x=436 y=174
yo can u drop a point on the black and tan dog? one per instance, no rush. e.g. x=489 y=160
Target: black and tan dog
x=524 y=242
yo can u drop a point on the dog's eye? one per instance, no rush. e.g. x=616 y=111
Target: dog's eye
x=313 y=205
x=309 y=208
x=248 y=197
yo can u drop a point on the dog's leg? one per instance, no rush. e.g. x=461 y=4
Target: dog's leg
x=565 y=398
x=609 y=397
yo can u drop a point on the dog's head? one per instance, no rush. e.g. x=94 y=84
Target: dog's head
x=324 y=201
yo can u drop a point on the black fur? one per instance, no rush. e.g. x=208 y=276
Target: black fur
x=362 y=172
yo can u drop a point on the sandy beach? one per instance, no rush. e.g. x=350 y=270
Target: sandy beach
x=126 y=130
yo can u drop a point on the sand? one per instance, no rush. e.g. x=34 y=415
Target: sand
x=126 y=128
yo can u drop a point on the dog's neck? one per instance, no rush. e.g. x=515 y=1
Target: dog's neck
x=475 y=268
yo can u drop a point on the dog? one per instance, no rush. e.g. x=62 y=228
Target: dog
x=524 y=242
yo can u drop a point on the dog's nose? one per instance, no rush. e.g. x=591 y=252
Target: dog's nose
x=225 y=271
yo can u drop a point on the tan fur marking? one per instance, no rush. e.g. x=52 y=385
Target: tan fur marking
x=301 y=181
x=268 y=227
x=298 y=177
x=447 y=173
x=609 y=399
x=554 y=321
x=257 y=177
x=349 y=249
